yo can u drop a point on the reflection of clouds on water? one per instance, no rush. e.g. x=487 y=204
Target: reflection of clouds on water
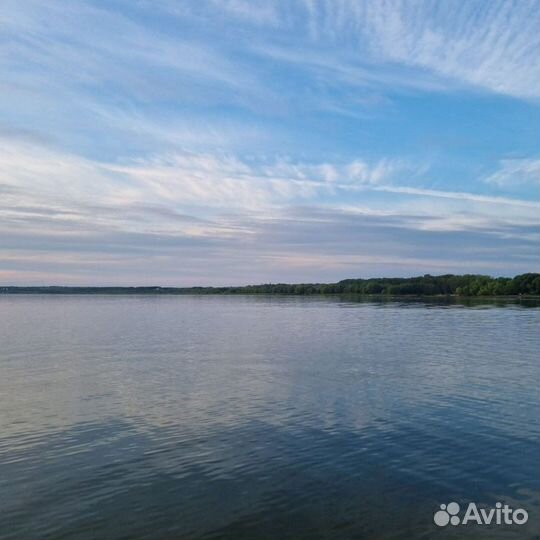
x=191 y=361
x=274 y=409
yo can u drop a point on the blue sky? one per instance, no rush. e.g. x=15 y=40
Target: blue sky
x=234 y=141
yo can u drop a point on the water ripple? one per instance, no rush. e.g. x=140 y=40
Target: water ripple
x=243 y=418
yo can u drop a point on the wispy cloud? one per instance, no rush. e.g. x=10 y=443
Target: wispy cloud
x=514 y=172
x=77 y=212
x=492 y=45
x=78 y=44
x=268 y=140
x=41 y=173
x=460 y=196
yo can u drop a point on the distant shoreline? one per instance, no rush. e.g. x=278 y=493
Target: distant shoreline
x=288 y=295
x=448 y=285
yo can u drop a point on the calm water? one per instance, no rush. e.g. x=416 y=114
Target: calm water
x=264 y=418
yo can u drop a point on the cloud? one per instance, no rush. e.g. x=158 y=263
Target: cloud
x=513 y=172
x=187 y=136
x=129 y=78
x=38 y=175
x=492 y=45
x=297 y=244
x=100 y=80
x=460 y=196
x=78 y=44
x=186 y=218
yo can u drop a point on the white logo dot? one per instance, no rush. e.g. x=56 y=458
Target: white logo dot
x=453 y=508
x=441 y=518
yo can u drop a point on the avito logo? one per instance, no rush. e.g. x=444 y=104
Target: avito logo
x=500 y=515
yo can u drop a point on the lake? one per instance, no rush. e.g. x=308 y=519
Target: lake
x=237 y=417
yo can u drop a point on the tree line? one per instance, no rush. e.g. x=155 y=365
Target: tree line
x=427 y=285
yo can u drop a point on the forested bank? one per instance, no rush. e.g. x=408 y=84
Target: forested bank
x=427 y=285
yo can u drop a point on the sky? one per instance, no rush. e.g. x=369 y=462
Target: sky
x=237 y=142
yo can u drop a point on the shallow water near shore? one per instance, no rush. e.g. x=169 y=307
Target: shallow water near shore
x=191 y=417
